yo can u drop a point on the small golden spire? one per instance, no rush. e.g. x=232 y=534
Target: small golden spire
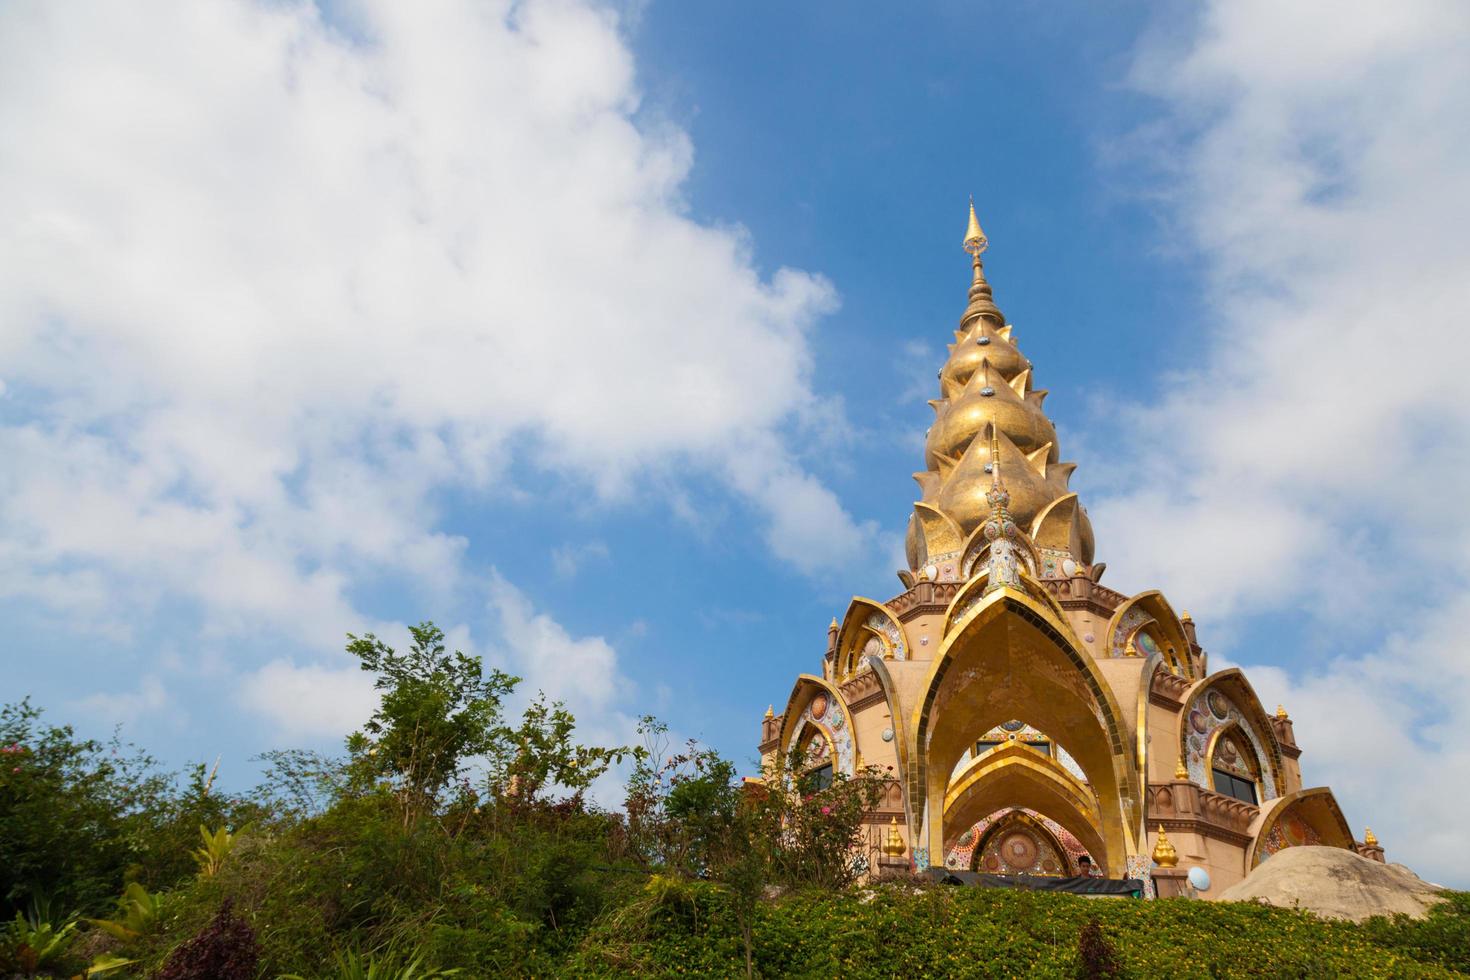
x=1185 y=617
x=1280 y=711
x=975 y=240
x=1370 y=838
x=1164 y=854
x=832 y=626
x=1181 y=771
x=892 y=841
x=1130 y=650
x=770 y=711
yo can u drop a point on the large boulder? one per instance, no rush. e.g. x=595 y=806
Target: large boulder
x=1335 y=883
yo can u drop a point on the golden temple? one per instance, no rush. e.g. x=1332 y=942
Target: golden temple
x=1029 y=719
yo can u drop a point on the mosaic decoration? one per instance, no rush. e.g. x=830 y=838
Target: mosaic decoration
x=1020 y=850
x=963 y=851
x=1290 y=830
x=1146 y=644
x=1208 y=712
x=1132 y=619
x=830 y=721
x=1056 y=563
x=1140 y=867
x=882 y=624
x=1228 y=756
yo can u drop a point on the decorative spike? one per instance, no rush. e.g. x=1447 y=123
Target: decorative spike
x=1005 y=333
x=946 y=465
x=941 y=534
x=975 y=240
x=1037 y=458
x=937 y=404
x=1037 y=395
x=1061 y=474
x=982 y=378
x=929 y=483
x=1057 y=526
x=949 y=387
x=1020 y=382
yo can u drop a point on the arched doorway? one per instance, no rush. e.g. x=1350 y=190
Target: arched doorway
x=1011 y=656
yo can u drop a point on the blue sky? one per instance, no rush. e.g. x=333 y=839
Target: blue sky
x=602 y=336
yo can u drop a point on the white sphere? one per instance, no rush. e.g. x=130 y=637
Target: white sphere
x=1200 y=879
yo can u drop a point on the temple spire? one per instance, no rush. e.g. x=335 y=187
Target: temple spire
x=982 y=301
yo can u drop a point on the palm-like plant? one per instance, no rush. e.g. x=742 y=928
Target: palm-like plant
x=217 y=847
x=139 y=911
x=34 y=942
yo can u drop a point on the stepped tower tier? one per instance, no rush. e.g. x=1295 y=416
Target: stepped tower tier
x=987 y=383
x=1026 y=718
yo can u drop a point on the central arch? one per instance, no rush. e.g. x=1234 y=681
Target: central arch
x=1010 y=656
x=1016 y=776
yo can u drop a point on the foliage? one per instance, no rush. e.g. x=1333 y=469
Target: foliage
x=34 y=942
x=225 y=949
x=436 y=710
x=217 y=846
x=1442 y=937
x=388 y=965
x=138 y=913
x=80 y=817
x=892 y=930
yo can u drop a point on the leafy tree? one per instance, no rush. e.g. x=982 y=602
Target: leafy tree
x=75 y=814
x=436 y=711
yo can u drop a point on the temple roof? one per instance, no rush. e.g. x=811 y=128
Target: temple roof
x=987 y=382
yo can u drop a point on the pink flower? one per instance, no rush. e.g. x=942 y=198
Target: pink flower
x=826 y=811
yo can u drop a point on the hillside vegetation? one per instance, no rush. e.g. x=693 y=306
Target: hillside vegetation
x=449 y=839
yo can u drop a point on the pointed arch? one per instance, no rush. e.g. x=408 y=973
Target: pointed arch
x=835 y=718
x=1308 y=816
x=1013 y=776
x=866 y=620
x=1012 y=656
x=1150 y=609
x=1007 y=824
x=1201 y=716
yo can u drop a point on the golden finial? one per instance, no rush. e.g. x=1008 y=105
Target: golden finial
x=832 y=626
x=1370 y=838
x=770 y=711
x=975 y=240
x=1280 y=711
x=1164 y=854
x=1130 y=650
x=994 y=454
x=1185 y=617
x=1181 y=771
x=892 y=841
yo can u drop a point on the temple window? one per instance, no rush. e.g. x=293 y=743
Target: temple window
x=1234 y=767
x=1229 y=784
x=821 y=776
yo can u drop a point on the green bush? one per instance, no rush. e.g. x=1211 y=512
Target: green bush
x=891 y=931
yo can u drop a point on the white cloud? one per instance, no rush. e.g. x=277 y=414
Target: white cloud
x=568 y=559
x=1315 y=461
x=264 y=291
x=312 y=700
x=126 y=707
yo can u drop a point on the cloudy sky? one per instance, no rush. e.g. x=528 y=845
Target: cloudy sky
x=601 y=335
